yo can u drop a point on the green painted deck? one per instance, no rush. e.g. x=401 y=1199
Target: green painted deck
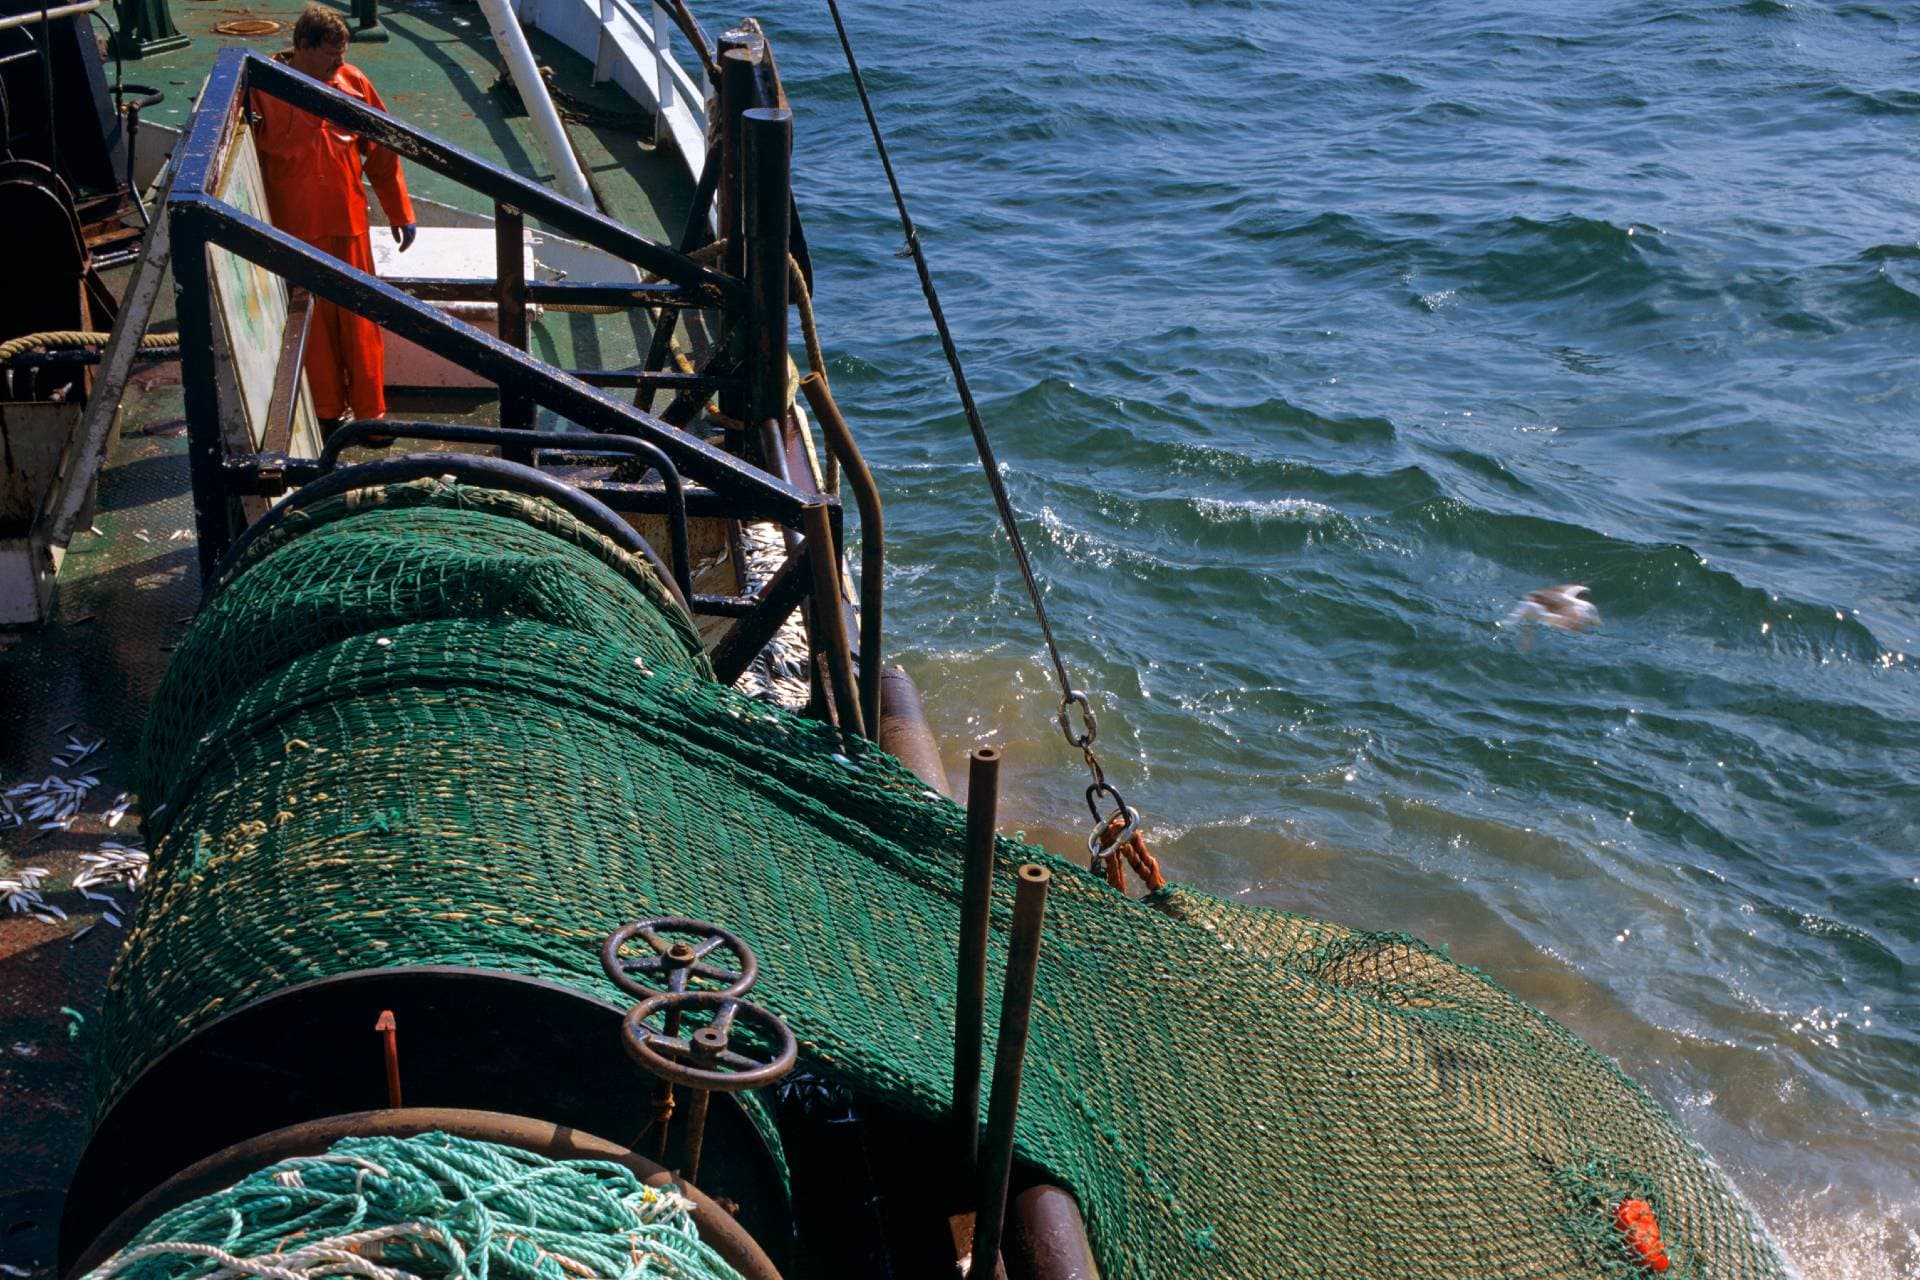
x=436 y=71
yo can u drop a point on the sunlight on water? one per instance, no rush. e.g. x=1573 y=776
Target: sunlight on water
x=1312 y=339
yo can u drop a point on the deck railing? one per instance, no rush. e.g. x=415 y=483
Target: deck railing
x=749 y=369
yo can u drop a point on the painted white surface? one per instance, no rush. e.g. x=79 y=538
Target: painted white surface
x=633 y=50
x=512 y=43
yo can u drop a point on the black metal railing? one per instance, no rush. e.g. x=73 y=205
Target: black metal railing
x=748 y=367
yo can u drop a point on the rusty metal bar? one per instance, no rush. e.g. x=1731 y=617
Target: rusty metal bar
x=510 y=286
x=1016 y=1012
x=866 y=496
x=389 y=1032
x=278 y=436
x=829 y=622
x=739 y=90
x=782 y=594
x=976 y=893
x=736 y=91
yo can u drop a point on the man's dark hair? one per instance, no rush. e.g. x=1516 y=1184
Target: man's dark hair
x=318 y=25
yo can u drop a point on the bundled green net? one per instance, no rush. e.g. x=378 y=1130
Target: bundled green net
x=433 y=726
x=432 y=1207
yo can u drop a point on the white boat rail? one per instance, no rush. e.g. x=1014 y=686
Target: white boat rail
x=512 y=43
x=43 y=16
x=636 y=52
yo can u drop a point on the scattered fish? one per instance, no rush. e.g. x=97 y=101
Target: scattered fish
x=112 y=863
x=75 y=751
x=22 y=890
x=117 y=810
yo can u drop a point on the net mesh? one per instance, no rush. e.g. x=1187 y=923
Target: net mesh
x=432 y=1207
x=431 y=725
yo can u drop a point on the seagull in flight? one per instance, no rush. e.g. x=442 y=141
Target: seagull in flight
x=1558 y=607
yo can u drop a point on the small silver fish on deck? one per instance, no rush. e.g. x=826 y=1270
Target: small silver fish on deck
x=1558 y=607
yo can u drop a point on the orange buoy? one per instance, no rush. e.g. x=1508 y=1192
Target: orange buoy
x=1635 y=1221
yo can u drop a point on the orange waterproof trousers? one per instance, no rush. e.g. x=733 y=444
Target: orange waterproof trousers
x=346 y=363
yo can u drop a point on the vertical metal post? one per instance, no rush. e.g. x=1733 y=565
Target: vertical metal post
x=829 y=620
x=662 y=71
x=872 y=534
x=740 y=55
x=739 y=90
x=976 y=894
x=1016 y=1011
x=606 y=48
x=510 y=292
x=766 y=147
x=367 y=19
x=193 y=308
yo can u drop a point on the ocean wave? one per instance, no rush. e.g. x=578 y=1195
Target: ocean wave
x=1874 y=102
x=1262 y=510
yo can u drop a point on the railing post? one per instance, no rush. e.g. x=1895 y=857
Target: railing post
x=510 y=282
x=605 y=47
x=739 y=88
x=662 y=71
x=367 y=28
x=206 y=448
x=768 y=145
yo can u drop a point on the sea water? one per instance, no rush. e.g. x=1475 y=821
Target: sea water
x=1312 y=337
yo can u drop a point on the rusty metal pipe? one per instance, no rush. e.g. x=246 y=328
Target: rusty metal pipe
x=866 y=496
x=1016 y=1012
x=904 y=732
x=1047 y=1237
x=708 y=1044
x=828 y=619
x=976 y=890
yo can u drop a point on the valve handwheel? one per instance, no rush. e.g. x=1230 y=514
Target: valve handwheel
x=706 y=1059
x=679 y=952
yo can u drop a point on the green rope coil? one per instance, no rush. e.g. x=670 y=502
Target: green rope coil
x=431 y=725
x=432 y=1207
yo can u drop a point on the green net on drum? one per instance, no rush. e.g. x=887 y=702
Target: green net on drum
x=434 y=725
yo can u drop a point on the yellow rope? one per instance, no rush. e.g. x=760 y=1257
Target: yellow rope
x=74 y=339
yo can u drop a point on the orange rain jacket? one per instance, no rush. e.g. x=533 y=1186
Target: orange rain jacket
x=311 y=168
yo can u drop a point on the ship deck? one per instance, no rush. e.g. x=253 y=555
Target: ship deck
x=129 y=587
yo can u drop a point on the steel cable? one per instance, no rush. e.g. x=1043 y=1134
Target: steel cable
x=1069 y=696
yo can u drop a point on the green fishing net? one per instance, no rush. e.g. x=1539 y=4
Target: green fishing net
x=433 y=725
x=432 y=1207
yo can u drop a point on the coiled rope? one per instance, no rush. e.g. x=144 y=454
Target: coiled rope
x=432 y=1207
x=75 y=339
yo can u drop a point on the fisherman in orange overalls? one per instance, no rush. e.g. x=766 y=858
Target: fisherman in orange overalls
x=312 y=169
